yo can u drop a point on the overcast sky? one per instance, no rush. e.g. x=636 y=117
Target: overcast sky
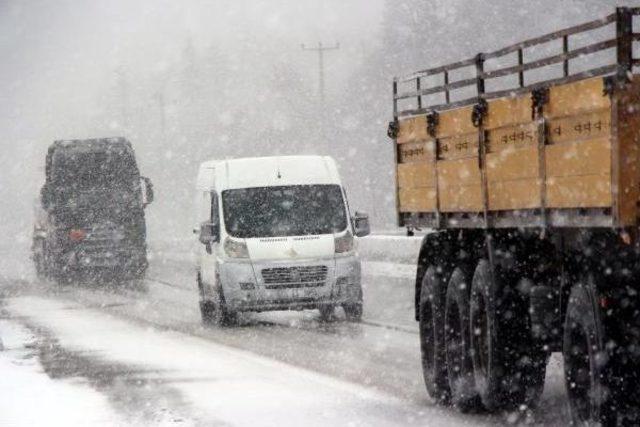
x=60 y=60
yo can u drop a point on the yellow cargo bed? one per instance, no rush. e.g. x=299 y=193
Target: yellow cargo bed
x=561 y=152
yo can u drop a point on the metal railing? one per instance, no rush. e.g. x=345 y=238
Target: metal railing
x=623 y=43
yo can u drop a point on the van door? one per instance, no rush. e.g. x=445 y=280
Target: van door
x=208 y=265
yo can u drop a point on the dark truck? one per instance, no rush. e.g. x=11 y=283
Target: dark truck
x=527 y=167
x=90 y=220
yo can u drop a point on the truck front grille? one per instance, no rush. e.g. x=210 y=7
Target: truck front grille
x=106 y=232
x=294 y=277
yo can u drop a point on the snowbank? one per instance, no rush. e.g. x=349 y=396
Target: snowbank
x=30 y=397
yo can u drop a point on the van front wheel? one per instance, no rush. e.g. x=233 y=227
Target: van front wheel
x=216 y=312
x=353 y=311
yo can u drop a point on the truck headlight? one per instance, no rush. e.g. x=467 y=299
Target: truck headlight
x=344 y=244
x=235 y=248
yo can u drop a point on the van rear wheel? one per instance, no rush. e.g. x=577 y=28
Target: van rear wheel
x=326 y=312
x=207 y=312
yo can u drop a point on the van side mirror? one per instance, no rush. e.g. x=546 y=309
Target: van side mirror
x=209 y=233
x=147 y=191
x=361 y=224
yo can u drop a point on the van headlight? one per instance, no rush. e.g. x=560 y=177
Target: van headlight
x=235 y=248
x=344 y=244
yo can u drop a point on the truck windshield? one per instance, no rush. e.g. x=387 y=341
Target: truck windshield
x=284 y=211
x=94 y=171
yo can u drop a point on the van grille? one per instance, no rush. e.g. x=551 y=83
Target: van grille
x=300 y=276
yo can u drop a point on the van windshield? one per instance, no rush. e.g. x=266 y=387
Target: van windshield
x=284 y=211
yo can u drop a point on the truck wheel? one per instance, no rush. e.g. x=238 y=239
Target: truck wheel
x=40 y=266
x=583 y=350
x=216 y=312
x=458 y=346
x=59 y=274
x=353 y=311
x=432 y=349
x=508 y=367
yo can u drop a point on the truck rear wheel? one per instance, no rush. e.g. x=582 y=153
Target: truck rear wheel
x=39 y=261
x=508 y=366
x=584 y=351
x=458 y=345
x=40 y=266
x=432 y=347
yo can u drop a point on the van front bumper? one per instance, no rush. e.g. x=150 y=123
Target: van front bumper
x=287 y=285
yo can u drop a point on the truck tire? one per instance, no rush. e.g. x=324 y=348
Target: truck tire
x=39 y=262
x=590 y=399
x=58 y=273
x=458 y=345
x=433 y=295
x=509 y=368
x=215 y=312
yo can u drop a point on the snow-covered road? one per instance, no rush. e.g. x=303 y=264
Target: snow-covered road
x=27 y=397
x=201 y=382
x=141 y=356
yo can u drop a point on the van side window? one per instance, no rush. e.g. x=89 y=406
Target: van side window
x=215 y=217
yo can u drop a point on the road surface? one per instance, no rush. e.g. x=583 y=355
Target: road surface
x=140 y=355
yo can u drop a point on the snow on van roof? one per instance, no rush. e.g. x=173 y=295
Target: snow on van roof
x=267 y=171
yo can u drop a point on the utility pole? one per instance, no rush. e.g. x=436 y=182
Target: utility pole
x=321 y=49
x=159 y=97
x=122 y=92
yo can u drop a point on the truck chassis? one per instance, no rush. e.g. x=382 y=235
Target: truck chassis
x=533 y=193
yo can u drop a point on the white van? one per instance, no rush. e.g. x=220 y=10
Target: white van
x=276 y=234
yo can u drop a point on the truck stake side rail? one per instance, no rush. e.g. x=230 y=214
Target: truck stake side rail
x=623 y=42
x=562 y=152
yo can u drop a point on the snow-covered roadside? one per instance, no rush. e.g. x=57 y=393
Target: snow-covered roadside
x=389 y=269
x=29 y=397
x=221 y=384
